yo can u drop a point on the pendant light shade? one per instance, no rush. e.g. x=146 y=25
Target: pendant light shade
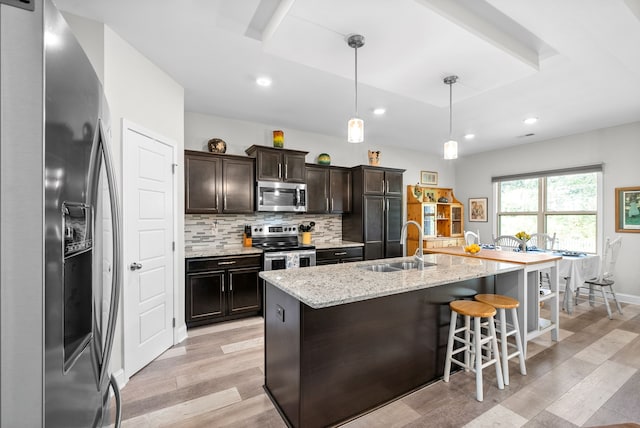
x=451 y=146
x=451 y=149
x=355 y=127
x=355 y=130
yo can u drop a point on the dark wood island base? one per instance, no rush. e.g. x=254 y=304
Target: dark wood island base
x=327 y=366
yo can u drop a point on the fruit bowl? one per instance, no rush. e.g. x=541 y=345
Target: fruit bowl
x=472 y=249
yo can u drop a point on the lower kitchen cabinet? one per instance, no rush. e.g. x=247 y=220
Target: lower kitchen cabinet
x=328 y=256
x=222 y=288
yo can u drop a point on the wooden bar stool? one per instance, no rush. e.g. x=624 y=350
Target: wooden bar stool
x=473 y=346
x=502 y=303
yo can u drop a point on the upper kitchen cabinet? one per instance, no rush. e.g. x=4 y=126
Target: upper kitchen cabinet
x=273 y=164
x=376 y=215
x=218 y=184
x=382 y=181
x=328 y=189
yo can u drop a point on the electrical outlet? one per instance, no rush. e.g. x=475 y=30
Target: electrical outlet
x=214 y=228
x=317 y=228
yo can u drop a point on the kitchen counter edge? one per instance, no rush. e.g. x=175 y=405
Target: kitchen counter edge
x=332 y=285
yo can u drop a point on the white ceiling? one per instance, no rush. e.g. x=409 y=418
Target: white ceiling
x=574 y=64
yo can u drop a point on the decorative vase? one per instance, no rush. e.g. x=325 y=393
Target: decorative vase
x=278 y=139
x=523 y=247
x=374 y=157
x=324 y=159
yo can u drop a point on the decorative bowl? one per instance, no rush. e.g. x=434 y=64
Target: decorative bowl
x=216 y=145
x=472 y=249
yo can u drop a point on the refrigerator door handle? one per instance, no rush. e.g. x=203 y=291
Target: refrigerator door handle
x=117 y=256
x=116 y=394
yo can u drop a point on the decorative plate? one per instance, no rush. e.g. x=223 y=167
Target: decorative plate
x=216 y=145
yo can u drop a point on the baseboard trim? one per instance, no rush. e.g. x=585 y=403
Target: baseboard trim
x=181 y=333
x=120 y=378
x=628 y=298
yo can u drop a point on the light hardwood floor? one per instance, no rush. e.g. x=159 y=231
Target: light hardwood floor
x=590 y=377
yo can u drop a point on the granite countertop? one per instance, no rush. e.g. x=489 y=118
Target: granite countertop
x=331 y=285
x=336 y=244
x=208 y=250
x=212 y=251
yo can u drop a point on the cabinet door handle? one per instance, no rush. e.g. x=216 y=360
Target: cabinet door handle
x=286 y=170
x=331 y=205
x=232 y=262
x=224 y=202
x=327 y=203
x=387 y=190
x=216 y=201
x=342 y=253
x=279 y=170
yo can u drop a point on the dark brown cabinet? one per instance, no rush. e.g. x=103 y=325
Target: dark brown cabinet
x=222 y=288
x=380 y=181
x=274 y=164
x=376 y=217
x=217 y=184
x=329 y=256
x=328 y=189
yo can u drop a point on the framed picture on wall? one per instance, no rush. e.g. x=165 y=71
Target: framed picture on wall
x=478 y=209
x=429 y=178
x=627 y=209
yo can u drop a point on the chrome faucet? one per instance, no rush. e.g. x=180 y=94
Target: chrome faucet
x=419 y=254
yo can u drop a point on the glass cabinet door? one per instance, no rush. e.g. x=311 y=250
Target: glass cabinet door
x=429 y=219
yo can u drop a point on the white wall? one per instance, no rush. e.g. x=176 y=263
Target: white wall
x=90 y=35
x=139 y=91
x=616 y=147
x=239 y=135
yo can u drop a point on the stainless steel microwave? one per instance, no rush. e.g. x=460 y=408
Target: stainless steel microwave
x=281 y=197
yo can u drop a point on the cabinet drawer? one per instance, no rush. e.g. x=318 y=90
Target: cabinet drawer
x=338 y=253
x=218 y=263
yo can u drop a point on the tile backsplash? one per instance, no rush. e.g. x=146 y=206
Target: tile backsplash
x=225 y=230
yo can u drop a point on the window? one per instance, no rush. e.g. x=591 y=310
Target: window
x=564 y=203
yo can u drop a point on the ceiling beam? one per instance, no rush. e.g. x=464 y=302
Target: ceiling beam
x=483 y=28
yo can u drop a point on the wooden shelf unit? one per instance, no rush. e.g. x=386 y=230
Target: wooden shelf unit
x=442 y=222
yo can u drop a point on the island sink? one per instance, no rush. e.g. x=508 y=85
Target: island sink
x=395 y=267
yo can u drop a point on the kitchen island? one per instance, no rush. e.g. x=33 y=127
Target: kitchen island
x=341 y=340
x=527 y=291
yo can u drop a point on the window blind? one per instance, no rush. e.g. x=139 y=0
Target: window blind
x=548 y=173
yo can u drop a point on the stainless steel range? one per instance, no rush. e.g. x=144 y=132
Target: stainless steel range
x=281 y=247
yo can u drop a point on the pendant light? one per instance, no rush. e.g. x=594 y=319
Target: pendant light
x=451 y=146
x=355 y=127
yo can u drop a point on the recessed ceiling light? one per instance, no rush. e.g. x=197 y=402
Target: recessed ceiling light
x=263 y=81
x=469 y=136
x=530 y=120
x=379 y=111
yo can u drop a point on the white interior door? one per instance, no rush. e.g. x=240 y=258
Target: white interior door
x=148 y=185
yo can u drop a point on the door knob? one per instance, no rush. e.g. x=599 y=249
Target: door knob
x=135 y=266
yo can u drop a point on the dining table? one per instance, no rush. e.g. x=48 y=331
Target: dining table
x=575 y=269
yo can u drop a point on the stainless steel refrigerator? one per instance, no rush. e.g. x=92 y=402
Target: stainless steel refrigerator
x=80 y=219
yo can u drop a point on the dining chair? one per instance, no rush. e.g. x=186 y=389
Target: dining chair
x=605 y=279
x=543 y=241
x=509 y=241
x=472 y=237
